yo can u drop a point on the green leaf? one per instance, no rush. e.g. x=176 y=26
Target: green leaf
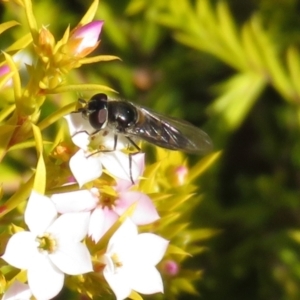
x=6 y=111
x=7 y=173
x=26 y=144
x=6 y=25
x=40 y=176
x=134 y=7
x=293 y=62
x=90 y=14
x=113 y=30
x=31 y=19
x=202 y=234
x=229 y=35
x=57 y=115
x=239 y=94
x=20 y=196
x=203 y=165
x=93 y=59
x=172 y=249
x=15 y=77
x=6 y=132
x=5 y=78
x=272 y=61
x=80 y=88
x=185 y=285
x=21 y=43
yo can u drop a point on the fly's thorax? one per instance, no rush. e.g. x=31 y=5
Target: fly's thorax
x=121 y=115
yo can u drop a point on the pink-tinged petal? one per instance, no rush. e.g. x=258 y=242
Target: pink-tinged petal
x=118 y=282
x=122 y=185
x=72 y=258
x=77 y=201
x=92 y=29
x=17 y=290
x=117 y=163
x=149 y=248
x=101 y=220
x=85 y=169
x=44 y=279
x=40 y=213
x=21 y=250
x=181 y=174
x=145 y=280
x=144 y=213
x=89 y=34
x=110 y=217
x=70 y=227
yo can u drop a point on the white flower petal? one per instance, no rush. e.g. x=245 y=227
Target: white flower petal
x=117 y=163
x=80 y=129
x=145 y=280
x=44 y=279
x=17 y=291
x=72 y=258
x=21 y=250
x=119 y=242
x=77 y=123
x=118 y=282
x=77 y=201
x=70 y=226
x=137 y=255
x=82 y=140
x=107 y=140
x=96 y=225
x=150 y=248
x=40 y=213
x=85 y=169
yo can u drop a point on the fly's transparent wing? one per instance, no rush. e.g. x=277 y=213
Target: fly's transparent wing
x=170 y=133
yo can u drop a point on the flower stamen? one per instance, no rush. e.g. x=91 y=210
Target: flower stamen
x=46 y=243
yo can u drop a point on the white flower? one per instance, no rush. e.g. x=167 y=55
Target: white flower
x=87 y=164
x=131 y=259
x=52 y=247
x=17 y=291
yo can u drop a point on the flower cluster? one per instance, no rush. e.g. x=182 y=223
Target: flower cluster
x=99 y=219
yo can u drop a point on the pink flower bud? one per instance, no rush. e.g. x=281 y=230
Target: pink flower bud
x=85 y=38
x=3 y=71
x=181 y=173
x=170 y=267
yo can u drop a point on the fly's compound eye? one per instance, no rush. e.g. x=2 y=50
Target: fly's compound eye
x=97 y=111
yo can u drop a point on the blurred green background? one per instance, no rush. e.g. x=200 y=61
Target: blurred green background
x=232 y=68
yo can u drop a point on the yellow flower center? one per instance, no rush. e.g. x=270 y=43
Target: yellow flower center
x=107 y=201
x=46 y=243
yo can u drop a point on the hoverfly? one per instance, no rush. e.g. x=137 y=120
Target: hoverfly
x=136 y=122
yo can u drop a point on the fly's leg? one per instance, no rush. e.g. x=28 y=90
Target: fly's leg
x=114 y=149
x=130 y=156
